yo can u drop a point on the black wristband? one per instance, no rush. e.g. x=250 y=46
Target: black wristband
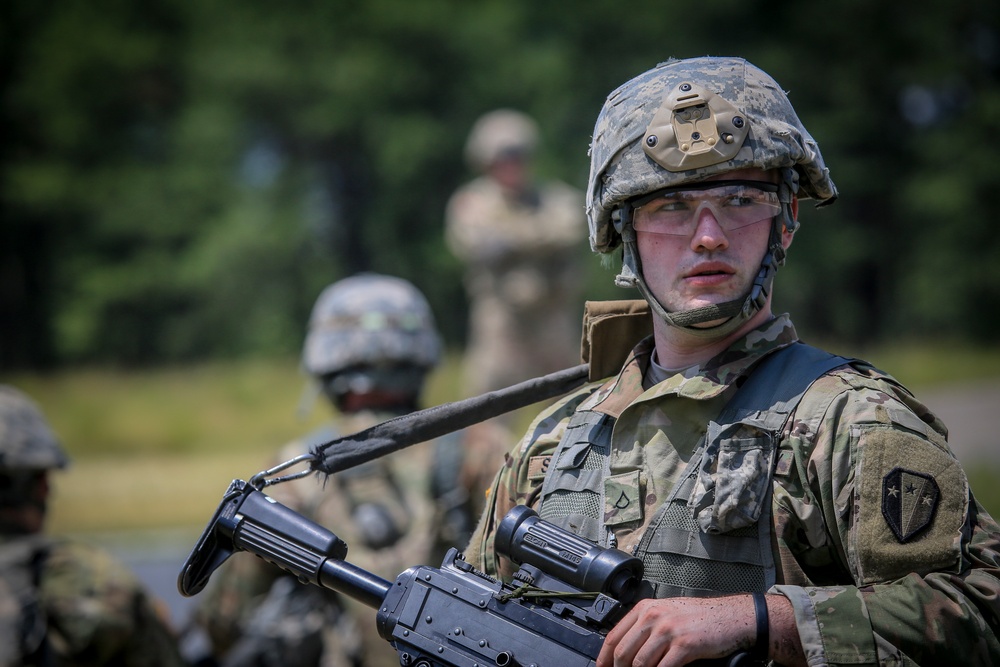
x=760 y=648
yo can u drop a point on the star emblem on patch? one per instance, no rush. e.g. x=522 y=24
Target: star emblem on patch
x=909 y=502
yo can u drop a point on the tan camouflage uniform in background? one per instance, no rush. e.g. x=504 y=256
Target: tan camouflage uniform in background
x=63 y=602
x=371 y=343
x=854 y=510
x=521 y=246
x=521 y=241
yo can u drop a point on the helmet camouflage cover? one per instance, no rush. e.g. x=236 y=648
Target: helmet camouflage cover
x=26 y=441
x=371 y=321
x=685 y=120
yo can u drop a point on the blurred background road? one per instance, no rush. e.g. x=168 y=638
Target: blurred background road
x=972 y=414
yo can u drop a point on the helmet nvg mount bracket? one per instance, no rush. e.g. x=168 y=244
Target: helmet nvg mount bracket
x=694 y=128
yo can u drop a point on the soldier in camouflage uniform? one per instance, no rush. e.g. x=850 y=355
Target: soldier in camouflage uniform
x=786 y=502
x=62 y=602
x=370 y=346
x=521 y=242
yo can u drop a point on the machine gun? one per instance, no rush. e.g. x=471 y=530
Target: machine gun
x=452 y=615
x=566 y=595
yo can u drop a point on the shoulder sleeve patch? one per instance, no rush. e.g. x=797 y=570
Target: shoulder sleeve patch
x=911 y=504
x=909 y=501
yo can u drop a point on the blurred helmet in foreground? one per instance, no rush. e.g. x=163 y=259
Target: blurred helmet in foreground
x=27 y=443
x=371 y=332
x=498 y=134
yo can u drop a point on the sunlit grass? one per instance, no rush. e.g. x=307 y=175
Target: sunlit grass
x=985 y=483
x=155 y=449
x=207 y=408
x=148 y=492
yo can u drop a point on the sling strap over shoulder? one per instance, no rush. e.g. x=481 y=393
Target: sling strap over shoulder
x=777 y=383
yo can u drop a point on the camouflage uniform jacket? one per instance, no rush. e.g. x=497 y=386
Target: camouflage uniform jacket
x=522 y=258
x=873 y=577
x=68 y=603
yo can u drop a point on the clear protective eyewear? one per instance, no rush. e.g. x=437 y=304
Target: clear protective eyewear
x=734 y=204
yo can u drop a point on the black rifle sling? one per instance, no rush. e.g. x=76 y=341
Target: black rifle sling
x=777 y=383
x=395 y=434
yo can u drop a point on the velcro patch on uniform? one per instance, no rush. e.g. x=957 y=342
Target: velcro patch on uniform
x=623 y=499
x=784 y=465
x=538 y=466
x=909 y=502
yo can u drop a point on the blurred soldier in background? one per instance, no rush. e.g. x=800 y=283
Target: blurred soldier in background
x=62 y=602
x=371 y=343
x=521 y=242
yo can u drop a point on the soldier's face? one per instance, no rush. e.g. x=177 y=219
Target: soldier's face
x=711 y=265
x=511 y=172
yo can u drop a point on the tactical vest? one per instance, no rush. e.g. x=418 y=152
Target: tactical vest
x=712 y=534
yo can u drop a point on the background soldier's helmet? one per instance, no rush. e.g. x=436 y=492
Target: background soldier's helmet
x=27 y=443
x=498 y=134
x=685 y=120
x=371 y=331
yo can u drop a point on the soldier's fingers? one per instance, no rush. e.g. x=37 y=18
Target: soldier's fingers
x=606 y=658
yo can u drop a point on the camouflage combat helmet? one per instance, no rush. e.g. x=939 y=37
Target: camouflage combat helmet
x=371 y=330
x=684 y=121
x=499 y=133
x=27 y=443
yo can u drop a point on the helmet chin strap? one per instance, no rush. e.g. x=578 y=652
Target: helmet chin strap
x=736 y=312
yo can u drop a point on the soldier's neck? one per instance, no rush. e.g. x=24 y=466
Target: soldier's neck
x=676 y=348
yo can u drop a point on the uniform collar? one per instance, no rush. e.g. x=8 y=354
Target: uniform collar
x=700 y=382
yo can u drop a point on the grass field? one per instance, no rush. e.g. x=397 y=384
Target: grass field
x=155 y=449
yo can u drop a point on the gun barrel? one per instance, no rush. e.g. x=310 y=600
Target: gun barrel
x=343 y=577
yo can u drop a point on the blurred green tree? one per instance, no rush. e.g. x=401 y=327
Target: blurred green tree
x=179 y=180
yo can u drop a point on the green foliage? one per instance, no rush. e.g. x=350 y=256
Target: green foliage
x=983 y=482
x=179 y=180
